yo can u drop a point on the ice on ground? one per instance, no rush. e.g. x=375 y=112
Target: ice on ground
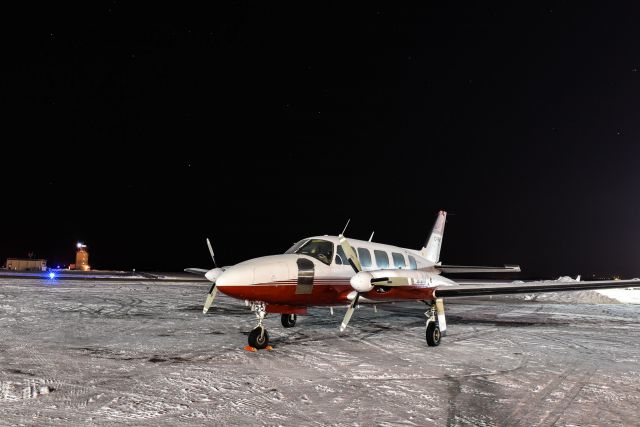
x=628 y=295
x=599 y=296
x=86 y=353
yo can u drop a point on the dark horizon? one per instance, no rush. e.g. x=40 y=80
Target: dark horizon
x=142 y=131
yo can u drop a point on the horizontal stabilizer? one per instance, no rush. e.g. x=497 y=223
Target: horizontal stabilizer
x=530 y=287
x=477 y=269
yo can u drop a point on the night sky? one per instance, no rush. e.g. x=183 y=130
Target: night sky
x=142 y=130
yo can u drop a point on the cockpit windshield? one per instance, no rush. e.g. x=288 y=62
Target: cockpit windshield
x=321 y=250
x=296 y=246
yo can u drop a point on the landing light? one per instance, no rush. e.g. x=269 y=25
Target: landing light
x=52 y=275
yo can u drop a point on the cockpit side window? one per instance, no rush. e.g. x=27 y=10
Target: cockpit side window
x=319 y=249
x=341 y=257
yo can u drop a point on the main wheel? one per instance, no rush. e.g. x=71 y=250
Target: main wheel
x=257 y=339
x=288 y=320
x=433 y=334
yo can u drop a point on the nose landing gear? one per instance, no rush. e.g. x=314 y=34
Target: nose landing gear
x=259 y=338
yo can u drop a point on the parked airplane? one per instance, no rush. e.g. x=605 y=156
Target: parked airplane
x=334 y=270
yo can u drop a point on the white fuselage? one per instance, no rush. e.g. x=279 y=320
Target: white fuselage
x=307 y=278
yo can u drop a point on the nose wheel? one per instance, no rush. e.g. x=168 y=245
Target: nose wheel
x=259 y=338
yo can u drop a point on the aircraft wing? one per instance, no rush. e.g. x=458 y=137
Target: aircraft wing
x=494 y=288
x=197 y=271
x=477 y=269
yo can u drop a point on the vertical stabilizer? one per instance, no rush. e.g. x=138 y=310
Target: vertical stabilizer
x=431 y=250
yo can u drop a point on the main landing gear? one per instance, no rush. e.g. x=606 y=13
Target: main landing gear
x=259 y=338
x=436 y=324
x=288 y=320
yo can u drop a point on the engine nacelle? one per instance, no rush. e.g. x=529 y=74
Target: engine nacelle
x=213 y=274
x=361 y=282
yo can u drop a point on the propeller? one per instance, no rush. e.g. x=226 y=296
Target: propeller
x=355 y=264
x=211 y=275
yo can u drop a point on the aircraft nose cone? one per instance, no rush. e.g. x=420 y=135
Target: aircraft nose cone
x=213 y=274
x=253 y=279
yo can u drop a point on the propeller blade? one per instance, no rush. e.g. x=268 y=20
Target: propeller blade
x=349 y=313
x=350 y=253
x=210 y=297
x=357 y=267
x=211 y=275
x=211 y=252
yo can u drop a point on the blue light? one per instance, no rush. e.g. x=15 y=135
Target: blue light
x=52 y=275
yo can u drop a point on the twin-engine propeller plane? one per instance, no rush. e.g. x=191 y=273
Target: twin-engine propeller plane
x=334 y=270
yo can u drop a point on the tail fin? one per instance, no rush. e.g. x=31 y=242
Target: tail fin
x=431 y=250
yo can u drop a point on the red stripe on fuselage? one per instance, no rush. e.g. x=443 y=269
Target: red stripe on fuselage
x=324 y=292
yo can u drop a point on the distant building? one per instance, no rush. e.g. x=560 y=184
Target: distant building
x=28 y=264
x=82 y=258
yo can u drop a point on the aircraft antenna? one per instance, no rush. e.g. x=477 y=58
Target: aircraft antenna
x=371 y=237
x=345 y=227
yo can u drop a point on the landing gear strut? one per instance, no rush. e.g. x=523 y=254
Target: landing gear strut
x=288 y=320
x=259 y=338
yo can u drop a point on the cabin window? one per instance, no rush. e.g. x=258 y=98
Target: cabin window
x=398 y=260
x=412 y=263
x=365 y=257
x=341 y=257
x=319 y=249
x=382 y=259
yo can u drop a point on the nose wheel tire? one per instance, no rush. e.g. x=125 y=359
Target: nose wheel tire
x=433 y=334
x=259 y=338
x=288 y=320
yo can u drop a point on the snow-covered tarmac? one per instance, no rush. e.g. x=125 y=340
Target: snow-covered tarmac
x=85 y=353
